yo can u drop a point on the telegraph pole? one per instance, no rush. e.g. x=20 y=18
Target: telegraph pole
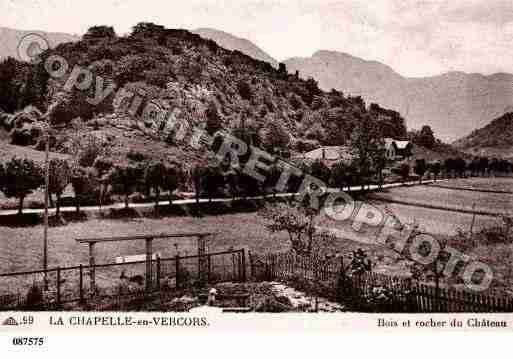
x=47 y=180
x=47 y=116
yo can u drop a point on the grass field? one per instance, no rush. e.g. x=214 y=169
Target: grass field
x=453 y=198
x=486 y=183
x=21 y=247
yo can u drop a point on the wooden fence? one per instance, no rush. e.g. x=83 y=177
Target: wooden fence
x=69 y=285
x=374 y=292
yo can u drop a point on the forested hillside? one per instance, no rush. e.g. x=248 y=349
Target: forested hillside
x=495 y=139
x=207 y=84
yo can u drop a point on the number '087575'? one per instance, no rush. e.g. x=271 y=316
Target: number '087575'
x=28 y=341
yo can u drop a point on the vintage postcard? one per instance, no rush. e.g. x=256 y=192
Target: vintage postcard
x=341 y=165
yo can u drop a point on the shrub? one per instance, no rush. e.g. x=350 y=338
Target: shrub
x=213 y=119
x=135 y=156
x=245 y=90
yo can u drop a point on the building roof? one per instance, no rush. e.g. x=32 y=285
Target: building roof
x=401 y=145
x=329 y=154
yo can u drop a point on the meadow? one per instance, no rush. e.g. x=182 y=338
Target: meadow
x=21 y=247
x=452 y=198
x=483 y=183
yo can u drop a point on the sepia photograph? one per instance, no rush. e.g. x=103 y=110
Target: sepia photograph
x=345 y=159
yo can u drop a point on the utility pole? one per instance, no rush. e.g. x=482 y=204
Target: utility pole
x=47 y=180
x=47 y=117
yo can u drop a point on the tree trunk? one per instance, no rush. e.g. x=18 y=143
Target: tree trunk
x=126 y=200
x=20 y=205
x=77 y=203
x=58 y=204
x=157 y=198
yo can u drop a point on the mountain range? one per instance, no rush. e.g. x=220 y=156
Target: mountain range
x=10 y=38
x=454 y=104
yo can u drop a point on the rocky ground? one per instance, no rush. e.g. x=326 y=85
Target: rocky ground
x=250 y=297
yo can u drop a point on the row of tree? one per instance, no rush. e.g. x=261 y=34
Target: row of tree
x=94 y=180
x=21 y=177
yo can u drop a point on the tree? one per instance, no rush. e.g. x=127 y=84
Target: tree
x=306 y=239
x=22 y=177
x=282 y=68
x=272 y=178
x=212 y=181
x=197 y=174
x=245 y=90
x=426 y=137
x=174 y=177
x=460 y=166
x=420 y=168
x=379 y=162
x=214 y=122
x=299 y=223
x=436 y=168
x=320 y=171
x=483 y=165
x=365 y=143
x=59 y=178
x=124 y=180
x=340 y=176
x=99 y=32
x=84 y=182
x=147 y=29
x=86 y=149
x=154 y=177
x=2 y=177
x=275 y=137
x=404 y=172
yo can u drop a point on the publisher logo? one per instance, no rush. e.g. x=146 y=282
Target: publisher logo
x=10 y=321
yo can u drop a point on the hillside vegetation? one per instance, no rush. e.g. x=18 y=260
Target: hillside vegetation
x=495 y=139
x=207 y=84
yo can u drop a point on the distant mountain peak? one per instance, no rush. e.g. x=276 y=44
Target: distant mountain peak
x=232 y=42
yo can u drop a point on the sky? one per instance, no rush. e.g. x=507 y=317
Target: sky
x=414 y=37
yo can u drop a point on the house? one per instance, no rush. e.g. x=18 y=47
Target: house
x=397 y=150
x=328 y=155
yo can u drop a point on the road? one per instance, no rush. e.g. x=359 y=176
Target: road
x=121 y=205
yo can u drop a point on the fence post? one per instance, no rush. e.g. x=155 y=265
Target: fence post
x=251 y=273
x=243 y=253
x=149 y=261
x=177 y=270
x=201 y=259
x=158 y=273
x=92 y=285
x=209 y=268
x=81 y=283
x=58 y=285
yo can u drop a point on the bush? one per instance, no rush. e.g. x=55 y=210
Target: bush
x=34 y=298
x=244 y=90
x=135 y=156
